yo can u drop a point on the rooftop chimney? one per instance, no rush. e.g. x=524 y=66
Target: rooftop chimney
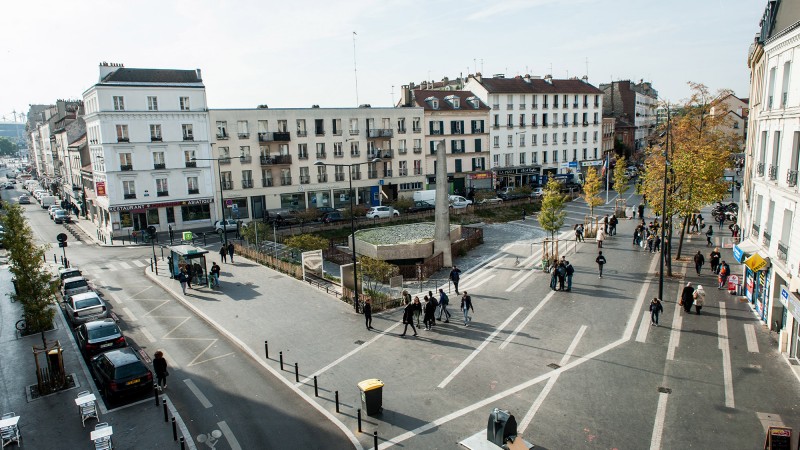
x=199 y=75
x=548 y=79
x=108 y=68
x=527 y=78
x=405 y=95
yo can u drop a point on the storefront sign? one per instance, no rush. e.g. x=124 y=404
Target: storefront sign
x=733 y=282
x=479 y=176
x=591 y=163
x=792 y=303
x=756 y=262
x=101 y=188
x=199 y=201
x=520 y=171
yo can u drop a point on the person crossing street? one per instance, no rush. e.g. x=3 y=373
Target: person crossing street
x=601 y=261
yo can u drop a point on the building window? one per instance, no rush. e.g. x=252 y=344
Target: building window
x=196 y=212
x=584 y=153
x=244 y=152
x=152 y=103
x=125 y=161
x=222 y=129
x=522 y=140
x=155 y=132
x=241 y=127
x=544 y=157
x=320 y=150
x=184 y=101
x=510 y=141
x=564 y=155
x=122 y=133
x=224 y=152
x=337 y=149
x=158 y=160
x=522 y=158
x=302 y=151
x=192 y=186
x=162 y=188
x=119 y=103
x=354 y=151
x=336 y=125
x=188 y=133
x=555 y=156
x=129 y=188
x=535 y=157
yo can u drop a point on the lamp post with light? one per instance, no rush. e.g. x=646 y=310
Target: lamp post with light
x=221 y=193
x=352 y=219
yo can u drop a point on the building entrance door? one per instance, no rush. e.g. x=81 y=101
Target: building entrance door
x=139 y=221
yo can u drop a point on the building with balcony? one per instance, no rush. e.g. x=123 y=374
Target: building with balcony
x=267 y=156
x=144 y=127
x=539 y=126
x=454 y=121
x=769 y=196
x=631 y=105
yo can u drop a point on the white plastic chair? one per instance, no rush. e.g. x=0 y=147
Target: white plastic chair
x=105 y=442
x=88 y=410
x=10 y=434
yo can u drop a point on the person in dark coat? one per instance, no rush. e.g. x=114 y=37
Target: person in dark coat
x=714 y=258
x=601 y=261
x=699 y=260
x=466 y=306
x=455 y=275
x=223 y=253
x=368 y=313
x=561 y=270
x=160 y=368
x=408 y=316
x=189 y=275
x=656 y=308
x=687 y=297
x=230 y=251
x=444 y=300
x=430 y=313
x=641 y=211
x=215 y=270
x=570 y=271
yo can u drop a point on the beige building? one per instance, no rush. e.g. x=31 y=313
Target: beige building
x=737 y=110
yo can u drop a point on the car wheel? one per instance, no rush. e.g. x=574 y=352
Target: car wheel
x=396 y=214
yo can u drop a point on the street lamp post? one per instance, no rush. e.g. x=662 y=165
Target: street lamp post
x=664 y=213
x=221 y=194
x=352 y=220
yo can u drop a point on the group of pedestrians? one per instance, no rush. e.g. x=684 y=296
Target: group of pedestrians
x=427 y=309
x=691 y=296
x=560 y=274
x=647 y=236
x=226 y=251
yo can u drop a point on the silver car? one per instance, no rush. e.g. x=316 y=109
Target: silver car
x=379 y=212
x=82 y=308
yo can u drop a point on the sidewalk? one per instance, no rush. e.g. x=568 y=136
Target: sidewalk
x=91 y=234
x=53 y=421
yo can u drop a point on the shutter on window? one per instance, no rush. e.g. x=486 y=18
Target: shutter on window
x=430 y=124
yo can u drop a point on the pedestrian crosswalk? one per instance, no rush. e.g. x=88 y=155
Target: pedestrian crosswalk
x=112 y=266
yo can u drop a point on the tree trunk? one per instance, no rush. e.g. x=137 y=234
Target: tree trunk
x=680 y=241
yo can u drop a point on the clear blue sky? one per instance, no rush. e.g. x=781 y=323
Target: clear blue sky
x=300 y=52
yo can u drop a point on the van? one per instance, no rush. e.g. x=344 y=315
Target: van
x=427 y=196
x=48 y=201
x=459 y=202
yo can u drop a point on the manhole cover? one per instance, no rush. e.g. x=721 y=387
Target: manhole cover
x=358 y=342
x=664 y=390
x=554 y=366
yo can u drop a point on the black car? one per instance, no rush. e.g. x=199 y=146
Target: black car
x=332 y=216
x=322 y=210
x=62 y=216
x=99 y=336
x=121 y=372
x=420 y=206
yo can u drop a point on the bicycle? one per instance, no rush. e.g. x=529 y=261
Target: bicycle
x=21 y=325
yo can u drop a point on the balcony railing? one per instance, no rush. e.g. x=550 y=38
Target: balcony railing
x=302 y=156
x=222 y=136
x=322 y=177
x=126 y=167
x=437 y=132
x=267 y=182
x=403 y=172
x=783 y=251
x=244 y=135
x=286 y=181
x=337 y=132
x=162 y=193
x=123 y=139
x=417 y=150
x=155 y=138
x=319 y=132
x=225 y=160
x=355 y=153
x=322 y=155
x=158 y=166
x=417 y=130
x=791 y=177
x=305 y=179
x=766 y=239
x=535 y=106
x=247 y=184
x=302 y=133
x=276 y=160
x=380 y=133
x=773 y=172
x=339 y=177
x=402 y=151
x=760 y=169
x=191 y=163
x=188 y=137
x=401 y=131
x=417 y=171
x=355 y=175
x=227 y=185
x=353 y=132
x=756 y=229
x=278 y=136
x=372 y=174
x=509 y=106
x=245 y=159
x=338 y=154
x=129 y=196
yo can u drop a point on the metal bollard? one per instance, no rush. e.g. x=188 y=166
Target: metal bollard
x=155 y=392
x=156 y=267
x=266 y=349
x=316 y=391
x=337 y=401
x=296 y=374
x=55 y=260
x=375 y=439
x=280 y=354
x=183 y=444
x=151 y=264
x=359 y=420
x=174 y=430
x=164 y=402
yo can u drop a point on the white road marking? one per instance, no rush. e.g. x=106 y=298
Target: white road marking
x=675 y=333
x=226 y=431
x=658 y=425
x=124 y=265
x=181 y=425
x=521 y=280
x=138 y=263
x=196 y=391
x=128 y=314
x=524 y=323
x=551 y=382
x=185 y=319
x=483 y=345
x=116 y=298
x=473 y=286
x=750 y=335
x=644 y=326
x=727 y=373
x=149 y=336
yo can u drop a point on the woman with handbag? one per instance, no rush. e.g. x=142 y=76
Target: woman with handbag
x=699 y=298
x=160 y=367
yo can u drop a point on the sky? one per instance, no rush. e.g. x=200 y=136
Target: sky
x=304 y=52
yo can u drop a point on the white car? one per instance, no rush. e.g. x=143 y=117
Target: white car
x=229 y=225
x=52 y=209
x=537 y=192
x=459 y=202
x=381 y=212
x=85 y=307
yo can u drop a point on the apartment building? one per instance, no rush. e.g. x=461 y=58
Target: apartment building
x=147 y=133
x=456 y=122
x=634 y=106
x=736 y=110
x=768 y=210
x=299 y=158
x=539 y=126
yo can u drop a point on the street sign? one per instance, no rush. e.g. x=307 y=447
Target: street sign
x=229 y=203
x=187 y=235
x=62 y=244
x=62 y=237
x=573 y=164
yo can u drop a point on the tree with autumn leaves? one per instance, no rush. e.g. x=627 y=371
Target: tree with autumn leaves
x=592 y=185
x=698 y=147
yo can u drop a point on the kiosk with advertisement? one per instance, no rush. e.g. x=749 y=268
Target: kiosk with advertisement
x=756 y=276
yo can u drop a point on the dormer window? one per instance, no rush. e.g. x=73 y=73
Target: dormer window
x=455 y=101
x=474 y=101
x=433 y=102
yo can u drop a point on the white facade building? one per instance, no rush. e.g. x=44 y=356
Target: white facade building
x=539 y=125
x=273 y=154
x=770 y=248
x=144 y=128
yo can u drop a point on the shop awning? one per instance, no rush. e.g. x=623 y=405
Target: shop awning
x=756 y=262
x=744 y=249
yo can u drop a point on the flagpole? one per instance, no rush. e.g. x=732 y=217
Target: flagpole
x=355 y=66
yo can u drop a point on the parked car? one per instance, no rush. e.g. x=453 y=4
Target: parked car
x=68 y=272
x=380 y=212
x=332 y=216
x=62 y=216
x=229 y=225
x=75 y=285
x=9 y=185
x=99 y=336
x=537 y=192
x=509 y=193
x=420 y=206
x=459 y=202
x=52 y=209
x=121 y=372
x=322 y=210
x=85 y=307
x=24 y=200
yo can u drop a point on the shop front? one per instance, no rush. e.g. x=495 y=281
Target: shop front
x=480 y=180
x=792 y=329
x=756 y=277
x=517 y=176
x=126 y=219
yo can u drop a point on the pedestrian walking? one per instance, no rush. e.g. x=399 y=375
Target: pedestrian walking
x=430 y=312
x=160 y=367
x=523 y=214
x=455 y=275
x=721 y=220
x=656 y=308
x=612 y=223
x=553 y=278
x=406 y=298
x=466 y=306
x=570 y=272
x=699 y=299
x=182 y=279
x=636 y=236
x=171 y=268
x=189 y=275
x=561 y=271
x=223 y=253
x=687 y=297
x=215 y=270
x=417 y=309
x=444 y=300
x=657 y=244
x=699 y=260
x=579 y=233
x=650 y=241
x=605 y=223
x=641 y=211
x=601 y=235
x=713 y=259
x=408 y=316
x=601 y=261
x=709 y=235
x=724 y=272
x=367 y=309
x=230 y=251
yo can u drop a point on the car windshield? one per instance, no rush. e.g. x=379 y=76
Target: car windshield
x=87 y=303
x=76 y=284
x=103 y=331
x=130 y=370
x=61 y=212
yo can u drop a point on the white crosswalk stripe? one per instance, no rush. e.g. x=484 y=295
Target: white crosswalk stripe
x=138 y=263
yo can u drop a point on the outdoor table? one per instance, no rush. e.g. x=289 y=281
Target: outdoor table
x=10 y=422
x=101 y=433
x=85 y=399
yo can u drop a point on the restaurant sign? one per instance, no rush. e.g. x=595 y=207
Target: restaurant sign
x=132 y=207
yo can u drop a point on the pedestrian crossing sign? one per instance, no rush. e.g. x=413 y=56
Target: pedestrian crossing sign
x=187 y=235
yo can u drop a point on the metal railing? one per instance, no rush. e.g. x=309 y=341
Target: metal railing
x=791 y=178
x=783 y=251
x=267 y=182
x=247 y=184
x=760 y=169
x=773 y=172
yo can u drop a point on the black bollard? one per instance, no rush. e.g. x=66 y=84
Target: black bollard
x=151 y=264
x=296 y=374
x=359 y=420
x=174 y=430
x=280 y=354
x=316 y=391
x=155 y=392
x=164 y=402
x=375 y=439
x=55 y=260
x=337 y=401
x=183 y=446
x=266 y=349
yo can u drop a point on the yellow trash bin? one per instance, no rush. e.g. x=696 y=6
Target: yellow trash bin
x=371 y=396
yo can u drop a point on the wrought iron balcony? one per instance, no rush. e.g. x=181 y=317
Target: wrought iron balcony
x=224 y=160
x=417 y=171
x=222 y=136
x=158 y=166
x=322 y=177
x=129 y=196
x=791 y=177
x=355 y=153
x=245 y=159
x=372 y=174
x=773 y=172
x=319 y=132
x=401 y=131
x=191 y=163
x=760 y=169
x=338 y=154
x=339 y=177
x=126 y=167
x=387 y=173
x=247 y=183
x=302 y=133
x=355 y=175
x=417 y=130
x=403 y=172
x=227 y=185
x=162 y=193
x=244 y=135
x=155 y=138
x=188 y=137
x=353 y=132
x=305 y=179
x=267 y=182
x=766 y=239
x=276 y=160
x=286 y=181
x=322 y=155
x=194 y=191
x=380 y=133
x=756 y=229
x=123 y=139
x=278 y=136
x=302 y=156
x=417 y=150
x=783 y=251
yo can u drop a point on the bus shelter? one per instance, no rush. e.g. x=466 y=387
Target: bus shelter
x=190 y=260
